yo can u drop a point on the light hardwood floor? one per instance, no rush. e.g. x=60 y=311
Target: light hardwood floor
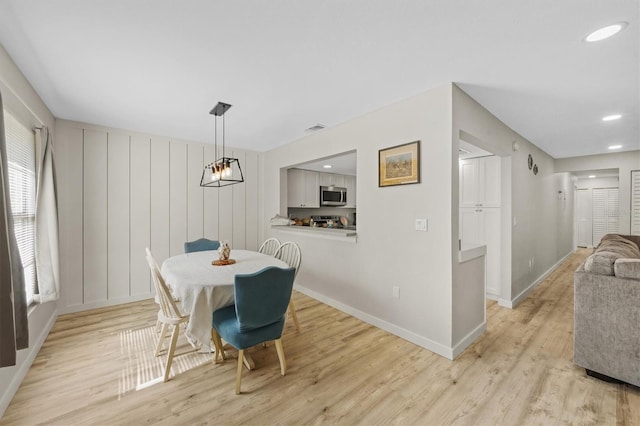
x=95 y=368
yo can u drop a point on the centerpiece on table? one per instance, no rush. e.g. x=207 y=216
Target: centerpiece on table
x=224 y=251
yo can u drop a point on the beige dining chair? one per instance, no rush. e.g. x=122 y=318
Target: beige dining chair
x=270 y=246
x=169 y=315
x=157 y=298
x=289 y=252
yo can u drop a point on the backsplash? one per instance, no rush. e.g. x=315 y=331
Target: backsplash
x=323 y=211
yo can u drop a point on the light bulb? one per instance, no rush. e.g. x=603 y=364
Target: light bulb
x=227 y=172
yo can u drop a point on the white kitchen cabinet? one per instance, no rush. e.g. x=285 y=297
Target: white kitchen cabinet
x=303 y=188
x=324 y=179
x=332 y=179
x=350 y=184
x=480 y=182
x=482 y=226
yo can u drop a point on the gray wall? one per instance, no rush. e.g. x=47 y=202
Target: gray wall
x=359 y=277
x=538 y=226
x=23 y=102
x=625 y=162
x=122 y=191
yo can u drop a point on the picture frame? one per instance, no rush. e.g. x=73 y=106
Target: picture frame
x=399 y=165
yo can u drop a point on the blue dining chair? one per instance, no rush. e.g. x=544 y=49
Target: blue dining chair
x=201 y=244
x=261 y=301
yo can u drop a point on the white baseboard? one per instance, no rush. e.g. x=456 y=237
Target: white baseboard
x=104 y=304
x=23 y=368
x=524 y=293
x=469 y=339
x=412 y=337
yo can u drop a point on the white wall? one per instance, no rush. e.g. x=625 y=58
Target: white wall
x=358 y=278
x=536 y=227
x=565 y=213
x=625 y=162
x=122 y=191
x=605 y=182
x=24 y=103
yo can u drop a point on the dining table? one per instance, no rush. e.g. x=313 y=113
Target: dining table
x=202 y=287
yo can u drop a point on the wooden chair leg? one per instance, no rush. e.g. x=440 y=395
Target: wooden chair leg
x=280 y=350
x=248 y=362
x=214 y=340
x=292 y=309
x=239 y=370
x=163 y=334
x=217 y=342
x=172 y=348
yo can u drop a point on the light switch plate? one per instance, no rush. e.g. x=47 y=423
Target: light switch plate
x=421 y=225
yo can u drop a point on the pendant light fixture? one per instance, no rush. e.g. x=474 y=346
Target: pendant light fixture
x=224 y=170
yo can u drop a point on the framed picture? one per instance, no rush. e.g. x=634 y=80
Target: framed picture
x=399 y=165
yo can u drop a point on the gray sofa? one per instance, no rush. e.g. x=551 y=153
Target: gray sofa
x=607 y=310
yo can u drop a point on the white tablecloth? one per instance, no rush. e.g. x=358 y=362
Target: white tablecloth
x=202 y=288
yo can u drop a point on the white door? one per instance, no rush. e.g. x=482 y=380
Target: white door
x=491 y=218
x=635 y=202
x=584 y=231
x=490 y=175
x=605 y=212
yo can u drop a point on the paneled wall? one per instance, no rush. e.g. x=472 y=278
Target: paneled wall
x=120 y=192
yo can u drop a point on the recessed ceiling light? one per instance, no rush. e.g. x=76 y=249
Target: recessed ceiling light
x=605 y=32
x=615 y=146
x=315 y=128
x=592 y=176
x=327 y=166
x=612 y=117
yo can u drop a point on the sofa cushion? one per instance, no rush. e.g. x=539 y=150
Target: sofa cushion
x=620 y=244
x=627 y=268
x=601 y=262
x=611 y=248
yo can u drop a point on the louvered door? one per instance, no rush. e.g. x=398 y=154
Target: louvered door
x=635 y=202
x=605 y=212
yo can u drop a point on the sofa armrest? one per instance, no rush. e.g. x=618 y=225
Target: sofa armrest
x=606 y=325
x=627 y=268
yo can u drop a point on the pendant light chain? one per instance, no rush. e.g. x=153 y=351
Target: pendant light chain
x=215 y=138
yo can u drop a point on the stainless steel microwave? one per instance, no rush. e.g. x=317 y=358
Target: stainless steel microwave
x=333 y=196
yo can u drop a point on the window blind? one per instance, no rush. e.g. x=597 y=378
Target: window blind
x=21 y=159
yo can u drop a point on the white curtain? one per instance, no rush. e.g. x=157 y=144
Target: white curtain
x=46 y=245
x=14 y=325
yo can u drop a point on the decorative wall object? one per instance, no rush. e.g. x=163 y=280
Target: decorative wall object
x=399 y=165
x=535 y=169
x=530 y=161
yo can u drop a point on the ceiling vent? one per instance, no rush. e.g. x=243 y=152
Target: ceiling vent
x=316 y=128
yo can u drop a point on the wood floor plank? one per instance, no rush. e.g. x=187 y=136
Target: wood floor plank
x=97 y=367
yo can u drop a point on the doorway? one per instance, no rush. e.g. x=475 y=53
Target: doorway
x=597 y=208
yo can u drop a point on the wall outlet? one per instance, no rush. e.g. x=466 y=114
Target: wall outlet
x=396 y=292
x=421 y=225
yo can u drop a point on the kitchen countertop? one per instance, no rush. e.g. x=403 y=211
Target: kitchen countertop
x=330 y=233
x=471 y=251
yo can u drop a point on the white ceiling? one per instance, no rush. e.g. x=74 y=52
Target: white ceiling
x=343 y=164
x=159 y=66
